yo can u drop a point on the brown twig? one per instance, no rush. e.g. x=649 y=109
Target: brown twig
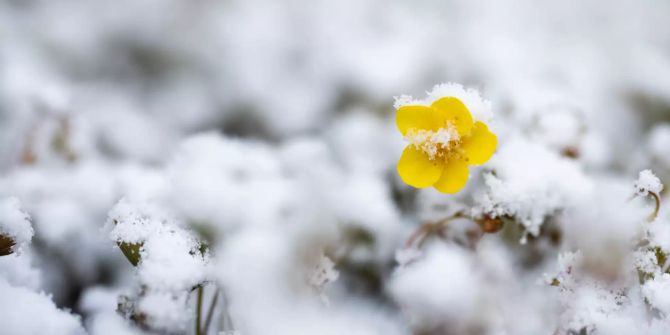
x=419 y=236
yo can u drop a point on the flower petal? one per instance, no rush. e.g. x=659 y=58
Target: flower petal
x=454 y=177
x=419 y=117
x=417 y=170
x=481 y=144
x=452 y=109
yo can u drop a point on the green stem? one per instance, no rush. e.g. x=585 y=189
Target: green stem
x=198 y=311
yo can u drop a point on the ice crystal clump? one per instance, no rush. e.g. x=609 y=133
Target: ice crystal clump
x=648 y=182
x=531 y=183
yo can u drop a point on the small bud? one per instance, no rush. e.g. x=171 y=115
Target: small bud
x=6 y=245
x=570 y=152
x=489 y=224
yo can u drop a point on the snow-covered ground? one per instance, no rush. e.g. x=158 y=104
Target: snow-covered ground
x=234 y=162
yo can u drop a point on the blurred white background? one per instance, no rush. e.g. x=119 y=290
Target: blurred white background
x=268 y=128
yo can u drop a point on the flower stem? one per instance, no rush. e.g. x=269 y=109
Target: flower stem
x=657 y=199
x=198 y=311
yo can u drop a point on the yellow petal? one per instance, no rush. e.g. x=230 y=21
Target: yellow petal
x=416 y=169
x=451 y=109
x=453 y=178
x=419 y=117
x=481 y=144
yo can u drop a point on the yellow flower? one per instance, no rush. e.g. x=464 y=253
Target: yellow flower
x=443 y=141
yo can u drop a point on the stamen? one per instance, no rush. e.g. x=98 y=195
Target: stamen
x=441 y=143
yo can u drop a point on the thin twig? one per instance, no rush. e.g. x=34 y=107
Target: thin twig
x=424 y=230
x=210 y=313
x=421 y=232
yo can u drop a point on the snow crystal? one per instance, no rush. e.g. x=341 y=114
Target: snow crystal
x=432 y=142
x=657 y=292
x=648 y=182
x=135 y=222
x=569 y=260
x=167 y=251
x=530 y=182
x=588 y=306
x=478 y=107
x=405 y=100
x=658 y=233
x=165 y=245
x=645 y=261
x=15 y=223
x=568 y=263
x=323 y=273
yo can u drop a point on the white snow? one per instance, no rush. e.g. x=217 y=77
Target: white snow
x=137 y=222
x=441 y=287
x=323 y=273
x=163 y=253
x=479 y=108
x=432 y=142
x=648 y=182
x=15 y=223
x=530 y=183
x=165 y=311
x=657 y=292
x=24 y=312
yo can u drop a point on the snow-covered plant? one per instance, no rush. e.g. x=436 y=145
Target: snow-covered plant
x=170 y=263
x=23 y=310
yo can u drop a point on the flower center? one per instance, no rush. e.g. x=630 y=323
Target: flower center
x=441 y=144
